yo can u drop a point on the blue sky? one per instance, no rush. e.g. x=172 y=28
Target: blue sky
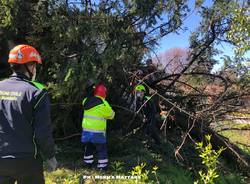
x=182 y=40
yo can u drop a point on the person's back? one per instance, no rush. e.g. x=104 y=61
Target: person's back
x=96 y=112
x=25 y=127
x=19 y=98
x=100 y=109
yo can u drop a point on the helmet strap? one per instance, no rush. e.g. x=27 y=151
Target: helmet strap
x=29 y=72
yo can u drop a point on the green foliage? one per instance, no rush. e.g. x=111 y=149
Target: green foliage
x=99 y=41
x=209 y=159
x=6 y=16
x=117 y=166
x=64 y=176
x=175 y=174
x=154 y=171
x=143 y=173
x=124 y=158
x=140 y=171
x=239 y=32
x=232 y=179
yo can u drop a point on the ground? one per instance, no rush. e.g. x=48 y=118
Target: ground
x=134 y=156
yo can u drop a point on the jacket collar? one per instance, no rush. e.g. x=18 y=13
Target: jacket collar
x=99 y=97
x=19 y=76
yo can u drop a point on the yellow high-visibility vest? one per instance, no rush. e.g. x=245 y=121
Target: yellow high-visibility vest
x=95 y=119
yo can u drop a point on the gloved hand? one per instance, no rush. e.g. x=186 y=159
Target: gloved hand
x=163 y=115
x=52 y=163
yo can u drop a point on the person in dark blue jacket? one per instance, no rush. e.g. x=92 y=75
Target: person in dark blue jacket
x=25 y=128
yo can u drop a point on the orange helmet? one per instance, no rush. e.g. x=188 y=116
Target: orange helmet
x=100 y=90
x=22 y=54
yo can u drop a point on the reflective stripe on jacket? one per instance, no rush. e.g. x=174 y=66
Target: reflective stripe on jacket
x=96 y=113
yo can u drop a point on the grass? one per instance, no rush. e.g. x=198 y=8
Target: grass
x=232 y=178
x=123 y=158
x=238 y=137
x=168 y=174
x=246 y=114
x=160 y=165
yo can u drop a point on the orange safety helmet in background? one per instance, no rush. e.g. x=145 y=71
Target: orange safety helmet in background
x=100 y=90
x=22 y=54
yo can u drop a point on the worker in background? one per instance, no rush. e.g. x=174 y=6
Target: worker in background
x=88 y=92
x=151 y=67
x=89 y=88
x=96 y=112
x=25 y=125
x=136 y=79
x=146 y=108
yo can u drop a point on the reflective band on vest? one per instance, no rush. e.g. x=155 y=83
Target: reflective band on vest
x=102 y=165
x=94 y=131
x=89 y=161
x=103 y=161
x=112 y=116
x=94 y=117
x=89 y=157
x=8 y=156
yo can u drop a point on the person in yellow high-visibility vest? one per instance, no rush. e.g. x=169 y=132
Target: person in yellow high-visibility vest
x=96 y=112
